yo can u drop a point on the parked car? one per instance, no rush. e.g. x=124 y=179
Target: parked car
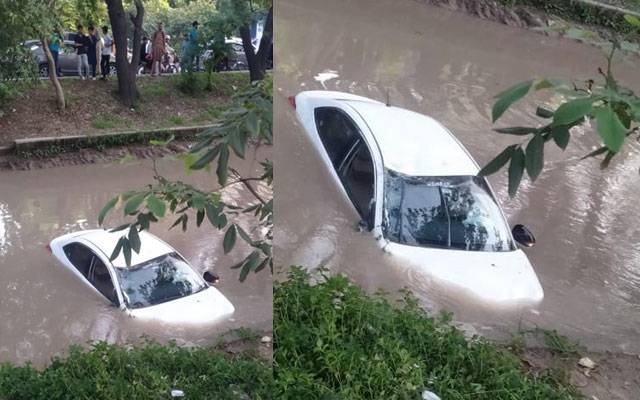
x=67 y=59
x=159 y=285
x=417 y=190
x=237 y=60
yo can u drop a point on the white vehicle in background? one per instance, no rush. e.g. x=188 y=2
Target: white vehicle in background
x=159 y=285
x=417 y=190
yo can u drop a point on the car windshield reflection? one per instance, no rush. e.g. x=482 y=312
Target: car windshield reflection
x=158 y=280
x=452 y=212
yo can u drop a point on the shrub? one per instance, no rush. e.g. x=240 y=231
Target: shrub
x=333 y=341
x=149 y=371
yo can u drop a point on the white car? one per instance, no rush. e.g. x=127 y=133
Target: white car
x=159 y=285
x=417 y=190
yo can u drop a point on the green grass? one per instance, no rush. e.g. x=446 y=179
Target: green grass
x=333 y=341
x=148 y=371
x=106 y=121
x=177 y=120
x=560 y=345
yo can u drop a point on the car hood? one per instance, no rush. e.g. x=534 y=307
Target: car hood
x=501 y=278
x=205 y=307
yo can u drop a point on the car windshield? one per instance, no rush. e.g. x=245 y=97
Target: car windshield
x=453 y=212
x=159 y=280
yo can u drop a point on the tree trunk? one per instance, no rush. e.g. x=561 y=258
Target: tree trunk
x=258 y=61
x=53 y=76
x=127 y=89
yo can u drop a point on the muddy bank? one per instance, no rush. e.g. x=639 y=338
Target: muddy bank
x=92 y=156
x=93 y=107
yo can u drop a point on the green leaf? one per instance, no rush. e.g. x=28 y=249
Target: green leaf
x=498 y=162
x=156 y=206
x=126 y=250
x=199 y=217
x=134 y=239
x=263 y=264
x=244 y=235
x=206 y=158
x=535 y=156
x=518 y=130
x=610 y=128
x=596 y=152
x=561 y=135
x=134 y=203
x=229 y=239
x=212 y=213
x=237 y=143
x=107 y=207
x=252 y=124
x=544 y=113
x=632 y=20
x=516 y=169
x=116 y=251
x=223 y=162
x=506 y=98
x=573 y=111
x=607 y=159
x=250 y=264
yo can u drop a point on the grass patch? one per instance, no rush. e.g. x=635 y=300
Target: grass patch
x=333 y=341
x=177 y=120
x=148 y=371
x=212 y=113
x=560 y=345
x=106 y=121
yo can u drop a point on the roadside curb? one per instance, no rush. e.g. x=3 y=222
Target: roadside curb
x=91 y=140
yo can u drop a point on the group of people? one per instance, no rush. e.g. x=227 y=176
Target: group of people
x=157 y=53
x=91 y=47
x=96 y=45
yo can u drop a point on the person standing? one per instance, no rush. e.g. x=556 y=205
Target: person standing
x=158 y=43
x=193 y=48
x=105 y=57
x=81 y=45
x=54 y=47
x=92 y=57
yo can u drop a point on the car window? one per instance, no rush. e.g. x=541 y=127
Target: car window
x=80 y=256
x=158 y=280
x=357 y=175
x=337 y=131
x=453 y=212
x=101 y=279
x=92 y=268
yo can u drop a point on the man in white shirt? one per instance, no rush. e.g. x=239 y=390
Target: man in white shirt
x=107 y=46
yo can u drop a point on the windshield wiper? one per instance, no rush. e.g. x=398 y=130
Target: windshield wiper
x=446 y=210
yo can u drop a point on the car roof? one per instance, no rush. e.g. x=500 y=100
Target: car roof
x=151 y=247
x=413 y=143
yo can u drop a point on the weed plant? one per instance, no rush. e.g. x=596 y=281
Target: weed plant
x=333 y=341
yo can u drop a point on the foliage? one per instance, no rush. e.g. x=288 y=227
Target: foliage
x=333 y=341
x=580 y=12
x=247 y=121
x=148 y=371
x=612 y=109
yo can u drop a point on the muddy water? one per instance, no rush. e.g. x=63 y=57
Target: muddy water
x=450 y=65
x=44 y=308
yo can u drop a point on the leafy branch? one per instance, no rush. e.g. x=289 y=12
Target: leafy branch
x=613 y=110
x=247 y=122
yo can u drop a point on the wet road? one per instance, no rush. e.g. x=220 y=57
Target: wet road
x=449 y=65
x=44 y=308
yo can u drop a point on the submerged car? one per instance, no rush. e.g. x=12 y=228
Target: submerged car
x=417 y=190
x=158 y=285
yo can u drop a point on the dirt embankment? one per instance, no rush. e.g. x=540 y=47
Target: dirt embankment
x=93 y=107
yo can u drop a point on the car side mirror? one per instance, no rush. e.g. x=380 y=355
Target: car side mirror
x=210 y=277
x=523 y=235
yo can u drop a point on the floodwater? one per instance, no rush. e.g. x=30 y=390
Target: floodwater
x=449 y=65
x=44 y=308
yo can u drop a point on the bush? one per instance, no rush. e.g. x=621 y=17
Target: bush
x=149 y=371
x=333 y=341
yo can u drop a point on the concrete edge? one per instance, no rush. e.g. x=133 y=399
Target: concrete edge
x=29 y=144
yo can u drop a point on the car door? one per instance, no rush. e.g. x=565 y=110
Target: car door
x=68 y=59
x=93 y=269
